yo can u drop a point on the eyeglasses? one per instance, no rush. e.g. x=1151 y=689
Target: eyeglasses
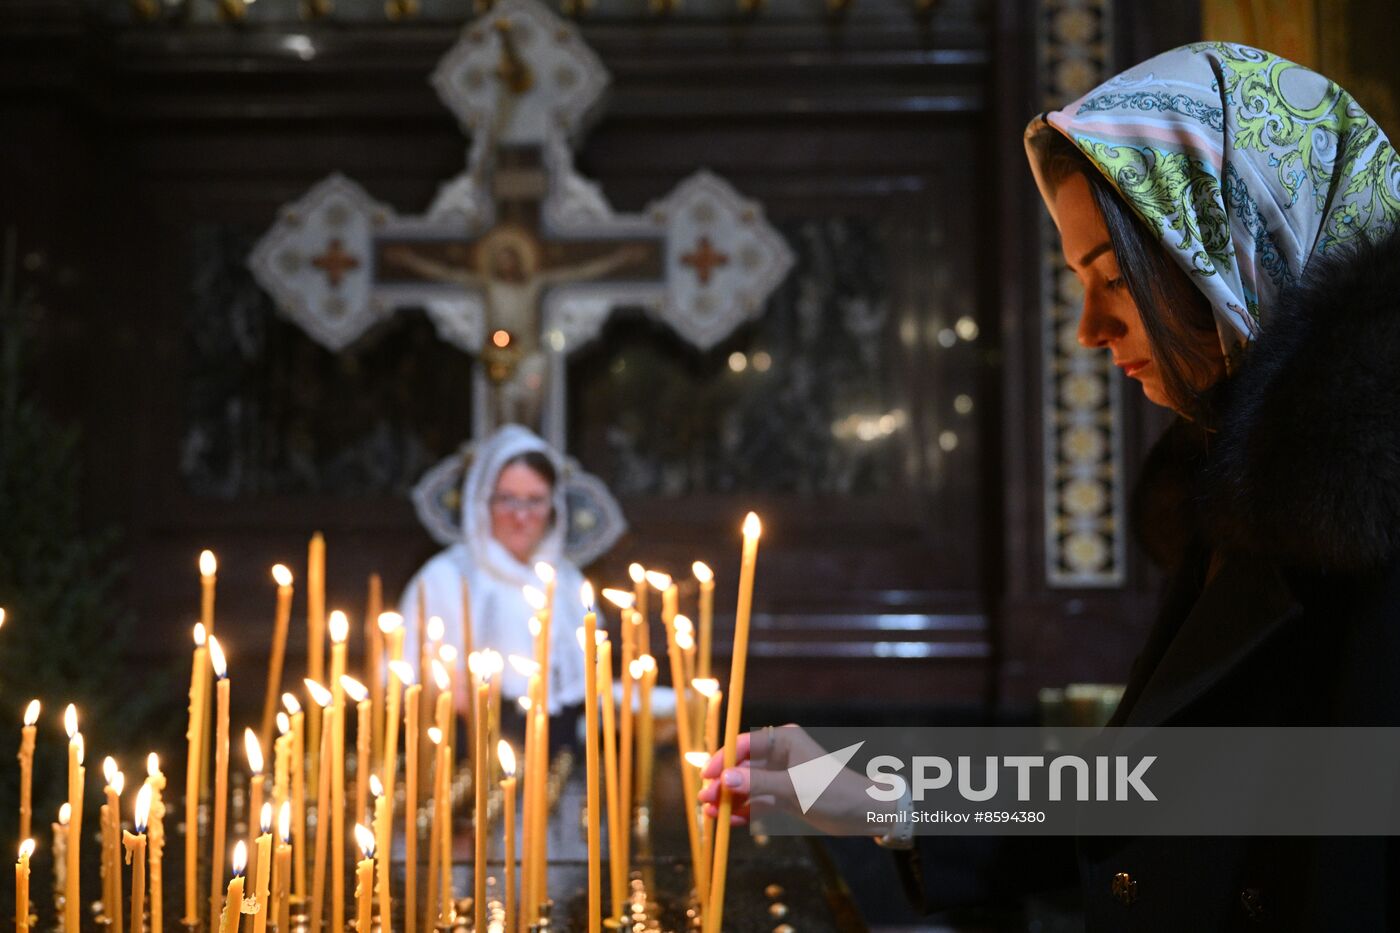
x=535 y=505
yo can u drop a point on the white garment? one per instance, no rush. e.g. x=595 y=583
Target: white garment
x=495 y=579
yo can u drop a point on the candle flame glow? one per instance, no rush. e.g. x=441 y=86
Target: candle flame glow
x=354 y=688
x=752 y=526
x=534 y=597
x=534 y=626
x=389 y=622
x=524 y=666
x=620 y=598
x=208 y=564
x=253 y=748
x=118 y=783
x=494 y=662
x=339 y=626
x=292 y=704
x=697 y=759
x=2 y=615
x=376 y=786
x=403 y=671
x=265 y=819
x=80 y=745
x=705 y=686
x=109 y=770
x=524 y=703
x=284 y=821
x=447 y=654
x=683 y=624
x=319 y=694
x=200 y=636
x=685 y=641
x=440 y=674
x=435 y=735
x=240 y=858
x=365 y=838
x=658 y=580
x=284 y=723
x=637 y=572
x=143 y=808
x=436 y=628
x=640 y=666
x=65 y=814
x=281 y=575
x=585 y=595
x=152 y=765
x=31 y=713
x=507 y=756
x=545 y=572
x=70 y=720
x=26 y=849
x=216 y=658
x=702 y=572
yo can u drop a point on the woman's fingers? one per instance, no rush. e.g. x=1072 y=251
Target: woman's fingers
x=716 y=763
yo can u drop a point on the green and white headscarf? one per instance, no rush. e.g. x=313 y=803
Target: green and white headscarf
x=1245 y=164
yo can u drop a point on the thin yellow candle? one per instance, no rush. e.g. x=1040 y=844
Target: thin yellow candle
x=738 y=662
x=645 y=673
x=208 y=579
x=155 y=780
x=507 y=757
x=364 y=878
x=26 y=849
x=624 y=601
x=112 y=842
x=383 y=828
x=298 y=776
x=391 y=625
x=60 y=850
x=708 y=688
x=590 y=716
x=480 y=825
x=468 y=642
x=315 y=632
x=486 y=769
x=410 y=786
x=74 y=888
x=617 y=868
x=135 y=845
x=437 y=742
x=208 y=574
x=322 y=698
x=694 y=706
x=194 y=737
x=706 y=577
x=233 y=900
x=364 y=728
x=541 y=803
x=281 y=762
x=283 y=578
x=216 y=873
x=262 y=877
x=374 y=664
x=339 y=627
x=282 y=868
x=257 y=791
x=26 y=766
x=527 y=807
x=638 y=573
x=683 y=741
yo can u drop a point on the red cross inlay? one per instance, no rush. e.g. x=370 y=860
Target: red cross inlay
x=704 y=260
x=335 y=262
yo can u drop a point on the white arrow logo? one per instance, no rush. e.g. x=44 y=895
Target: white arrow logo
x=813 y=777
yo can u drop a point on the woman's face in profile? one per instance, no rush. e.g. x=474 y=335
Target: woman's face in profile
x=520 y=507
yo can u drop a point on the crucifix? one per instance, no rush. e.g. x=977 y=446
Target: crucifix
x=520 y=260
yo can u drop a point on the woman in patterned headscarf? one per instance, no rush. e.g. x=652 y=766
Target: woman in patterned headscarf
x=1231 y=217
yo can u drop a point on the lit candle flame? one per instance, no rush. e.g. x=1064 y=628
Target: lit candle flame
x=200 y=636
x=281 y=575
x=284 y=821
x=2 y=615
x=440 y=674
x=585 y=595
x=284 y=723
x=403 y=671
x=31 y=713
x=600 y=637
x=291 y=703
x=389 y=622
x=494 y=662
x=524 y=666
x=683 y=624
x=65 y=814
x=365 y=838
x=118 y=783
x=702 y=572
x=152 y=764
x=534 y=597
x=70 y=720
x=685 y=641
x=265 y=819
x=319 y=694
x=376 y=786
x=435 y=735
x=339 y=626
x=752 y=526
x=507 y=756
x=208 y=564
x=545 y=572
x=705 y=686
x=658 y=580
x=640 y=666
x=143 y=808
x=534 y=626
x=637 y=572
x=26 y=848
x=524 y=703
x=216 y=658
x=81 y=746
x=240 y=858
x=620 y=598
x=109 y=770
x=253 y=748
x=356 y=690
x=447 y=654
x=697 y=759
x=436 y=628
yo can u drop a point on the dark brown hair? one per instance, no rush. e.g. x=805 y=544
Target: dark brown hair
x=1173 y=309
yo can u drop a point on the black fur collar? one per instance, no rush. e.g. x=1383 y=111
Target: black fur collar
x=1305 y=464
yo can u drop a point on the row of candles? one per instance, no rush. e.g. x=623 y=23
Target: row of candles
x=621 y=759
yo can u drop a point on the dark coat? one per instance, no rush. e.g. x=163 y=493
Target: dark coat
x=1281 y=533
